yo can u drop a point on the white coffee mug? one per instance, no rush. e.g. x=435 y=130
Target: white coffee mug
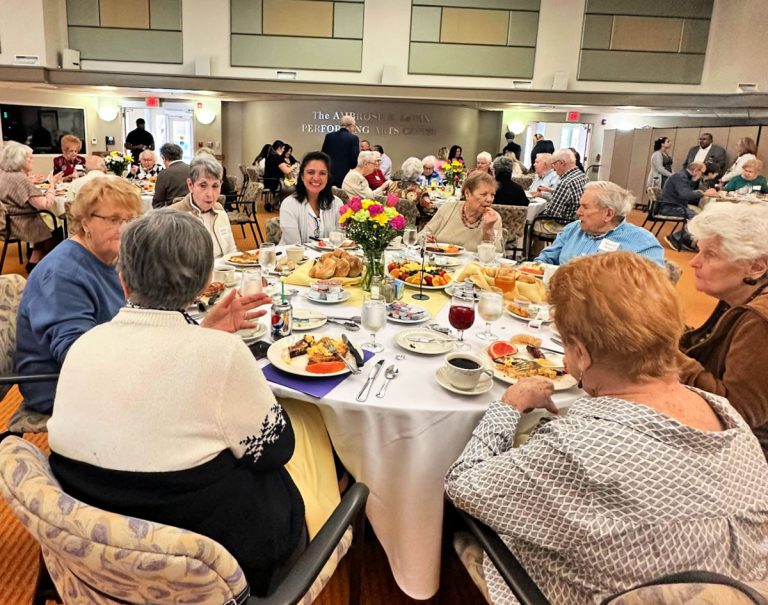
x=295 y=253
x=225 y=275
x=464 y=370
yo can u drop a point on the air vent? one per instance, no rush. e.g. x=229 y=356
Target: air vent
x=26 y=59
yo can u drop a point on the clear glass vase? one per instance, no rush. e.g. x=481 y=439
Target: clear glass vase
x=373 y=269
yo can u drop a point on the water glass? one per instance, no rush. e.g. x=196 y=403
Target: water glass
x=336 y=238
x=461 y=316
x=410 y=237
x=250 y=282
x=267 y=257
x=490 y=308
x=374 y=318
x=486 y=252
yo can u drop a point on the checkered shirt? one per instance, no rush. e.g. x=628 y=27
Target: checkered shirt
x=565 y=198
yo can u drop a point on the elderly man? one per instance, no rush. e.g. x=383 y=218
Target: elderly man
x=202 y=201
x=355 y=182
x=386 y=162
x=147 y=166
x=708 y=153
x=679 y=198
x=365 y=145
x=566 y=195
x=546 y=178
x=602 y=227
x=429 y=176
x=171 y=182
x=95 y=167
x=343 y=146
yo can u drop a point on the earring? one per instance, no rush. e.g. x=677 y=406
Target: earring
x=750 y=281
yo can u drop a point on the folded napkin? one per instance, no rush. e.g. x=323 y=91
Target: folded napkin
x=315 y=387
x=300 y=277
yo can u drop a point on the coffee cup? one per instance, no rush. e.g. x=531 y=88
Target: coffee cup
x=295 y=253
x=464 y=370
x=225 y=275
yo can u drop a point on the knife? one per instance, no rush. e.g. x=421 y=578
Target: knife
x=353 y=351
x=363 y=394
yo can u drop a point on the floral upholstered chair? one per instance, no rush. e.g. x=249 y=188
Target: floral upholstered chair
x=94 y=556
x=274 y=232
x=513 y=220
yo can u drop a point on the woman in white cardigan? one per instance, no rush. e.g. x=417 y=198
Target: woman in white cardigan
x=747 y=148
x=313 y=211
x=355 y=182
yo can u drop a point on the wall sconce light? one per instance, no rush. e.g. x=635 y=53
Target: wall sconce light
x=205 y=116
x=516 y=126
x=108 y=112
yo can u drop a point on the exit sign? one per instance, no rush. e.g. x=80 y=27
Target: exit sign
x=572 y=116
x=153 y=101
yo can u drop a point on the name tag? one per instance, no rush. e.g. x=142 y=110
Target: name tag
x=607 y=245
x=223 y=231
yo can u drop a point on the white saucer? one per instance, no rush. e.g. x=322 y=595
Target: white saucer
x=251 y=336
x=485 y=384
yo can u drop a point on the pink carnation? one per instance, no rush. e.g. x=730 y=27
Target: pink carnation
x=397 y=223
x=343 y=209
x=375 y=209
x=392 y=200
x=355 y=203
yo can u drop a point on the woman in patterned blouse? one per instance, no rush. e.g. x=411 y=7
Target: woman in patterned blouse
x=69 y=160
x=643 y=477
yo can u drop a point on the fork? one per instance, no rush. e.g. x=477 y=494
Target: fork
x=333 y=351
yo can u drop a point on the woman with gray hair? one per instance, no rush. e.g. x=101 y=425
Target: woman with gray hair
x=158 y=419
x=508 y=193
x=19 y=196
x=602 y=227
x=409 y=187
x=355 y=183
x=725 y=355
x=202 y=201
x=483 y=163
x=429 y=176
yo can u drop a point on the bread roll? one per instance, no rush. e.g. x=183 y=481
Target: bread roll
x=342 y=268
x=323 y=269
x=355 y=266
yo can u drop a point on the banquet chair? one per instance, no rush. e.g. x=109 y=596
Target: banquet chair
x=244 y=211
x=9 y=240
x=245 y=179
x=95 y=556
x=340 y=193
x=656 y=219
x=274 y=232
x=271 y=194
x=545 y=237
x=513 y=219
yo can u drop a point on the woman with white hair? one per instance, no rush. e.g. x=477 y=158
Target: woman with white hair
x=602 y=227
x=483 y=163
x=355 y=182
x=429 y=176
x=19 y=195
x=409 y=187
x=726 y=355
x=202 y=201
x=376 y=179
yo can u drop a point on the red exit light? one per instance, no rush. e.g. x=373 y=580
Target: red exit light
x=153 y=101
x=572 y=116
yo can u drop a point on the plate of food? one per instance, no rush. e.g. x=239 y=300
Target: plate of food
x=243 y=259
x=528 y=312
x=310 y=355
x=446 y=262
x=285 y=266
x=445 y=249
x=327 y=291
x=401 y=312
x=424 y=341
x=307 y=319
x=338 y=264
x=210 y=293
x=521 y=357
x=451 y=290
x=434 y=278
x=323 y=245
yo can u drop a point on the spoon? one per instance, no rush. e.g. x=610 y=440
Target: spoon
x=389 y=375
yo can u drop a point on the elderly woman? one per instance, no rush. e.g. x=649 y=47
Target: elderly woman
x=19 y=195
x=546 y=178
x=643 y=477
x=202 y=201
x=313 y=211
x=750 y=178
x=746 y=150
x=471 y=222
x=661 y=163
x=376 y=179
x=148 y=168
x=483 y=163
x=158 y=419
x=355 y=182
x=602 y=227
x=69 y=160
x=408 y=187
x=726 y=354
x=508 y=192
x=429 y=176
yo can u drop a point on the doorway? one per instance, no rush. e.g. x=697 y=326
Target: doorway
x=562 y=135
x=165 y=125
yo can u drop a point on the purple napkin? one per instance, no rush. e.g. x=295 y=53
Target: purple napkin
x=316 y=387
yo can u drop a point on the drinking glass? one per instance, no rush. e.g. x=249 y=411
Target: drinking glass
x=374 y=318
x=490 y=308
x=461 y=316
x=486 y=251
x=410 y=237
x=267 y=258
x=250 y=282
x=336 y=238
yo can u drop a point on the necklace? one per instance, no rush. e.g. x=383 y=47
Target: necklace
x=465 y=220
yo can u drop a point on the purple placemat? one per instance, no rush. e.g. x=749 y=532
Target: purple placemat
x=316 y=387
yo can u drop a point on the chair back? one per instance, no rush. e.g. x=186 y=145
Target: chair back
x=274 y=232
x=513 y=219
x=340 y=193
x=253 y=176
x=252 y=192
x=11 y=289
x=409 y=210
x=94 y=556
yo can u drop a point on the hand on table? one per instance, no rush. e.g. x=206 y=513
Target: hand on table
x=531 y=393
x=711 y=192
x=544 y=189
x=234 y=312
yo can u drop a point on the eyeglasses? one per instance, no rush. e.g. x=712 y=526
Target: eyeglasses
x=115 y=221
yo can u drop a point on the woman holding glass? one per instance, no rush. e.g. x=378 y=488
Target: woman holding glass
x=313 y=211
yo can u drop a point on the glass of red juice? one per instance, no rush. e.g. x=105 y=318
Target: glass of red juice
x=461 y=316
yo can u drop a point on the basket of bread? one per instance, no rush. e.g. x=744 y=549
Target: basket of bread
x=338 y=264
x=515 y=285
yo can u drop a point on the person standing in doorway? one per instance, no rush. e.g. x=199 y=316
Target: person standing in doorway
x=139 y=139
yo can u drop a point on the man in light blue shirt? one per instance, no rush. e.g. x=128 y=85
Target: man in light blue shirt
x=602 y=227
x=546 y=178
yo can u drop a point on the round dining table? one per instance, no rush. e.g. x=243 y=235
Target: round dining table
x=401 y=445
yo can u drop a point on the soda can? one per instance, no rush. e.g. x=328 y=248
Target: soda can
x=282 y=319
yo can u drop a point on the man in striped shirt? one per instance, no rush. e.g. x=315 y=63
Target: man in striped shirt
x=602 y=227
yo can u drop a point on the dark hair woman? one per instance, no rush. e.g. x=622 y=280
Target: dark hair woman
x=661 y=163
x=313 y=211
x=455 y=154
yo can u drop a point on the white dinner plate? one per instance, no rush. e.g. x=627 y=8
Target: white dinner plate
x=561 y=383
x=343 y=295
x=522 y=318
x=423 y=318
x=298 y=264
x=484 y=385
x=306 y=319
x=446 y=262
x=438 y=347
x=425 y=287
x=250 y=336
x=475 y=292
x=226 y=260
x=278 y=356
x=439 y=248
x=325 y=246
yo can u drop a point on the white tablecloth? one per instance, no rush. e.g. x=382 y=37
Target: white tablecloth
x=535 y=207
x=402 y=445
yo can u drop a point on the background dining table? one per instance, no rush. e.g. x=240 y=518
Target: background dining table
x=402 y=444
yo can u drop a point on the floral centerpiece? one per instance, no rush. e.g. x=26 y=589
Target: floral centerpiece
x=373 y=225
x=118 y=162
x=454 y=173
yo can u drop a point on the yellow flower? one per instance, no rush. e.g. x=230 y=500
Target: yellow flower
x=381 y=219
